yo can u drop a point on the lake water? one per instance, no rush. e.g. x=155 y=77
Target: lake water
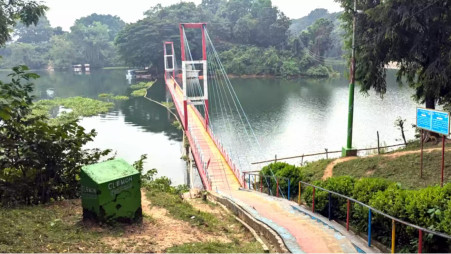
x=289 y=117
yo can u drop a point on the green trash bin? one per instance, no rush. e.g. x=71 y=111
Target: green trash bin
x=111 y=191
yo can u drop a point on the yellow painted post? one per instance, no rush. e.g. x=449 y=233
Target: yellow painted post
x=299 y=194
x=393 y=233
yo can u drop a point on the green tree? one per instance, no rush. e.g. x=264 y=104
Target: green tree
x=92 y=42
x=63 y=53
x=317 y=37
x=39 y=33
x=415 y=34
x=26 y=11
x=38 y=161
x=114 y=23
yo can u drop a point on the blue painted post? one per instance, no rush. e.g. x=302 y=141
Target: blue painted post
x=330 y=206
x=288 y=195
x=249 y=181
x=369 y=228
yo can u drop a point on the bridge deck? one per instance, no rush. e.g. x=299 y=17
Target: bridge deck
x=300 y=232
x=221 y=176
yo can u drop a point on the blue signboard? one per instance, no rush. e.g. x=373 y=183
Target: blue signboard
x=433 y=120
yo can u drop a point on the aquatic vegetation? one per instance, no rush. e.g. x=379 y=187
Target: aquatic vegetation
x=110 y=96
x=168 y=105
x=139 y=93
x=61 y=110
x=142 y=85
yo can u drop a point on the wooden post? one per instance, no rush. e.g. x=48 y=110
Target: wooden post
x=327 y=156
x=277 y=187
x=421 y=154
x=261 y=183
x=275 y=158
x=302 y=160
x=378 y=144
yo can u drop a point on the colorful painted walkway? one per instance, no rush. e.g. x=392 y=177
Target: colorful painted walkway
x=301 y=232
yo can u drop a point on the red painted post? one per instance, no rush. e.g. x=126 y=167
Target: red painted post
x=185 y=111
x=277 y=189
x=313 y=200
x=204 y=44
x=348 y=212
x=421 y=155
x=206 y=114
x=443 y=159
x=182 y=42
x=420 y=241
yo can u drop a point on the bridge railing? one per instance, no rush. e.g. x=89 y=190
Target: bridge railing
x=258 y=182
x=201 y=162
x=272 y=185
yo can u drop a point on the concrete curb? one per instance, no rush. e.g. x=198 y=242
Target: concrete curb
x=271 y=236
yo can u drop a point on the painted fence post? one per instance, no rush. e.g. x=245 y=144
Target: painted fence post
x=313 y=200
x=348 y=211
x=249 y=182
x=420 y=241
x=288 y=194
x=261 y=183
x=369 y=227
x=244 y=180
x=393 y=235
x=299 y=194
x=330 y=206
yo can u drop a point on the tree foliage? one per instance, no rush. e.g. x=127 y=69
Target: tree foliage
x=39 y=162
x=415 y=34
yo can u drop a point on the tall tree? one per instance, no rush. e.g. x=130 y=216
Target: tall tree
x=416 y=34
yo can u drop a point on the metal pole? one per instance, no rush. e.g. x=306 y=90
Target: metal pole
x=277 y=188
x=443 y=159
x=348 y=211
x=420 y=241
x=299 y=194
x=421 y=154
x=261 y=183
x=249 y=182
x=352 y=84
x=313 y=200
x=330 y=206
x=369 y=228
x=393 y=235
x=288 y=194
x=378 y=144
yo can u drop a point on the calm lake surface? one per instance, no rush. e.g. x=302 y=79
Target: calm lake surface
x=289 y=117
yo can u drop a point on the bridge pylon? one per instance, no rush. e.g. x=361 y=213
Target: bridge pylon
x=189 y=72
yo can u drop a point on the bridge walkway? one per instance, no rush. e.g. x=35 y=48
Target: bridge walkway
x=300 y=232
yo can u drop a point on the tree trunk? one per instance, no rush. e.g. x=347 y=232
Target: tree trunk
x=430 y=102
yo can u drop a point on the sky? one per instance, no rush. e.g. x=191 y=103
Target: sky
x=64 y=12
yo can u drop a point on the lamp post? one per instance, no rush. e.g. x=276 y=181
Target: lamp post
x=348 y=150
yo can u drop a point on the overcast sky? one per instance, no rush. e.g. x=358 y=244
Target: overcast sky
x=64 y=12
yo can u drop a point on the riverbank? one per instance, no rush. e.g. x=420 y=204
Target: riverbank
x=198 y=226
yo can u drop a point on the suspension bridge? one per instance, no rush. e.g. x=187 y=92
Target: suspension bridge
x=219 y=134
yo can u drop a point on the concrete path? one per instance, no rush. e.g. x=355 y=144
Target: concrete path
x=302 y=231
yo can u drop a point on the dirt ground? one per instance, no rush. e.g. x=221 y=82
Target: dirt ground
x=159 y=231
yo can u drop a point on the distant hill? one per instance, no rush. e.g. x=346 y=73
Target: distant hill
x=301 y=24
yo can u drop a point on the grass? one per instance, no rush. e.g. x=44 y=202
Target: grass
x=49 y=228
x=182 y=210
x=315 y=170
x=216 y=247
x=403 y=169
x=110 y=96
